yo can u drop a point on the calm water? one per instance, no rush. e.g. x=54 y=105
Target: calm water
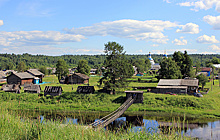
x=198 y=129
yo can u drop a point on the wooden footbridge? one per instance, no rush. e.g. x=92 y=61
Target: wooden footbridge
x=131 y=97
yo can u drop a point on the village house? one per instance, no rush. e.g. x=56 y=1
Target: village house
x=207 y=70
x=38 y=74
x=53 y=90
x=177 y=86
x=32 y=88
x=21 y=78
x=76 y=78
x=11 y=88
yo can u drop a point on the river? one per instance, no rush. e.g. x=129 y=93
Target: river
x=192 y=127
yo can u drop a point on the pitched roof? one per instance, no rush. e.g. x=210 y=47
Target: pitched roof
x=53 y=89
x=190 y=82
x=169 y=82
x=178 y=82
x=24 y=75
x=32 y=87
x=35 y=72
x=82 y=75
x=206 y=69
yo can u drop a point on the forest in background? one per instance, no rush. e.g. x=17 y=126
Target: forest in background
x=10 y=61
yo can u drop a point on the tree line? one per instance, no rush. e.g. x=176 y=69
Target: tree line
x=11 y=61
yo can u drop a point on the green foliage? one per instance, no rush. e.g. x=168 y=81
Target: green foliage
x=44 y=70
x=142 y=65
x=184 y=62
x=169 y=69
x=61 y=69
x=202 y=80
x=83 y=67
x=21 y=67
x=117 y=67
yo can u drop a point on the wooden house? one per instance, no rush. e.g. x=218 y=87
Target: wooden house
x=21 y=78
x=77 y=78
x=32 y=88
x=36 y=73
x=11 y=88
x=53 y=90
x=139 y=94
x=207 y=70
x=177 y=86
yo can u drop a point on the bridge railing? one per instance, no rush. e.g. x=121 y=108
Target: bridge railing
x=114 y=115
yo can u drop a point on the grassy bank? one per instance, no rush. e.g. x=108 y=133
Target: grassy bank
x=15 y=126
x=208 y=106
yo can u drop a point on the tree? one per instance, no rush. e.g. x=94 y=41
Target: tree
x=61 y=68
x=117 y=67
x=142 y=65
x=21 y=67
x=198 y=64
x=83 y=67
x=169 y=69
x=215 y=60
x=202 y=80
x=44 y=70
x=184 y=62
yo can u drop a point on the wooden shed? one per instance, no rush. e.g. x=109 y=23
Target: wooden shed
x=139 y=94
x=32 y=88
x=77 y=78
x=86 y=89
x=21 y=78
x=11 y=88
x=177 y=86
x=53 y=90
x=36 y=73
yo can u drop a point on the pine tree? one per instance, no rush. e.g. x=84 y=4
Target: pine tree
x=117 y=67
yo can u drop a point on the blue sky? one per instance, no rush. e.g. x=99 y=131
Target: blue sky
x=53 y=27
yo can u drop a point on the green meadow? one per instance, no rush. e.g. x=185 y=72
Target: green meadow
x=70 y=100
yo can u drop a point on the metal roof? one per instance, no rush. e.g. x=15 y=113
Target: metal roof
x=35 y=72
x=181 y=87
x=24 y=75
x=178 y=82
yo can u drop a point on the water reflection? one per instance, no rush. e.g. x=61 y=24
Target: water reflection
x=191 y=127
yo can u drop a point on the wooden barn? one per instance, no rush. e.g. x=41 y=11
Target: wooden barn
x=36 y=73
x=32 y=88
x=53 y=90
x=11 y=88
x=139 y=94
x=86 y=89
x=77 y=78
x=177 y=86
x=21 y=78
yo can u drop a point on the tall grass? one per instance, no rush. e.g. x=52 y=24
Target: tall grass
x=15 y=126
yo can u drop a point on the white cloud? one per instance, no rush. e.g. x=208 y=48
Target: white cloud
x=189 y=28
x=1 y=22
x=149 y=30
x=215 y=48
x=212 y=20
x=206 y=39
x=202 y=4
x=30 y=38
x=167 y=1
x=180 y=42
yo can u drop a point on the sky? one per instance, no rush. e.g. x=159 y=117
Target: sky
x=55 y=27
